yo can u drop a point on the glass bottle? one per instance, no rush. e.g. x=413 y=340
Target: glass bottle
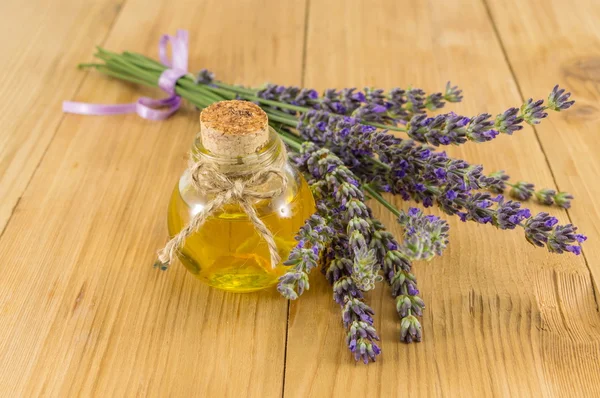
x=227 y=252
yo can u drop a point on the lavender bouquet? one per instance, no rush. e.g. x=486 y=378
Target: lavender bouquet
x=347 y=144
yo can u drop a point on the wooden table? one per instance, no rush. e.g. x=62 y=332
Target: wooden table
x=82 y=208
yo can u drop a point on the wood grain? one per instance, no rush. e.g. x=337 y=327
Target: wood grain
x=84 y=314
x=42 y=42
x=82 y=310
x=562 y=46
x=502 y=318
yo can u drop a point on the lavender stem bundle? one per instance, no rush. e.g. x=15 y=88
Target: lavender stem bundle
x=341 y=141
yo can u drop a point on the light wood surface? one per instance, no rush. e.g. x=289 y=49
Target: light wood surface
x=41 y=41
x=83 y=200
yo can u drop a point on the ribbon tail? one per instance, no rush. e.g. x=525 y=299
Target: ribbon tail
x=145 y=107
x=82 y=108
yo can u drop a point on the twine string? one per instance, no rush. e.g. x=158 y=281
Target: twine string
x=241 y=187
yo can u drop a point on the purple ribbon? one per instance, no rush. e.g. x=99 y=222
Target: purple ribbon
x=145 y=106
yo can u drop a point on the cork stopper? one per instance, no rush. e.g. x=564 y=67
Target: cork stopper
x=234 y=128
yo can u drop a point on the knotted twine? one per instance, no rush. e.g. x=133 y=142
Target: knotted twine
x=241 y=187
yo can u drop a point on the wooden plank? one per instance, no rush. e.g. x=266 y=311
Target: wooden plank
x=42 y=42
x=503 y=318
x=82 y=310
x=562 y=45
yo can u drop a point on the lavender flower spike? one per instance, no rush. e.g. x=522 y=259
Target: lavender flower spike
x=540 y=230
x=312 y=238
x=349 y=259
x=498 y=181
x=424 y=236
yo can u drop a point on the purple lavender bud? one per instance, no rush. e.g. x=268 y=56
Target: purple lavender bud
x=403 y=305
x=558 y=100
x=371 y=113
x=292 y=284
x=336 y=269
x=205 y=77
x=453 y=131
x=410 y=329
x=365 y=268
x=434 y=101
x=562 y=240
x=415 y=100
x=312 y=237
x=509 y=121
x=356 y=310
x=412 y=290
x=563 y=199
x=343 y=288
x=545 y=196
x=397 y=100
x=356 y=208
x=394 y=259
x=509 y=214
x=375 y=97
x=379 y=108
x=495 y=182
x=538 y=228
x=358 y=225
x=424 y=236
x=522 y=190
x=533 y=112
x=451 y=194
x=476 y=207
x=479 y=130
x=452 y=93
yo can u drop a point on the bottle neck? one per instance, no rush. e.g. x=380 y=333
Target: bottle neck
x=273 y=154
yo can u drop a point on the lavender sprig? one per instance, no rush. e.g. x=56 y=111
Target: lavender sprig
x=397 y=273
x=370 y=105
x=312 y=239
x=338 y=190
x=453 y=129
x=543 y=230
x=350 y=264
x=497 y=182
x=425 y=236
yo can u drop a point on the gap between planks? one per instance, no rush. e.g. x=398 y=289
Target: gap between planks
x=302 y=83
x=537 y=138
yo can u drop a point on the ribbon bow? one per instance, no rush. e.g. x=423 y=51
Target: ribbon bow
x=240 y=188
x=145 y=106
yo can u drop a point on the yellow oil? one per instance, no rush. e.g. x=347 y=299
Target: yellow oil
x=227 y=252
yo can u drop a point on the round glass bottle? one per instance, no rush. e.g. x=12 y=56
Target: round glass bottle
x=227 y=252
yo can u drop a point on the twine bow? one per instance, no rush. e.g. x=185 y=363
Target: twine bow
x=235 y=187
x=146 y=107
